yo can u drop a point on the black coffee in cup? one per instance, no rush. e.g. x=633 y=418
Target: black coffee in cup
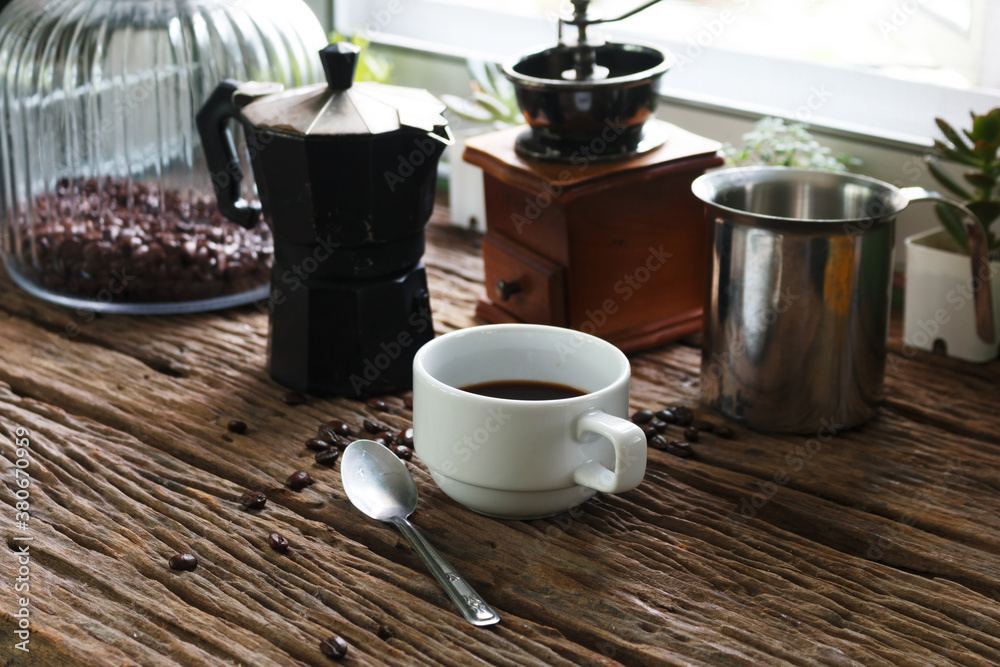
x=524 y=390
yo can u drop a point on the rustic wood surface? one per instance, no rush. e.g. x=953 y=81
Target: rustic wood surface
x=880 y=546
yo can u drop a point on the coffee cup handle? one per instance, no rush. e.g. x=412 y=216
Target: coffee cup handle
x=630 y=453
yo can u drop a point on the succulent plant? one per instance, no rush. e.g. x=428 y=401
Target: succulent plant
x=492 y=100
x=772 y=142
x=979 y=149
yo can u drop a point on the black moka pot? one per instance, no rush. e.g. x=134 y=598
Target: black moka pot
x=346 y=176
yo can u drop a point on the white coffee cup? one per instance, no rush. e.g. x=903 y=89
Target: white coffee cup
x=524 y=459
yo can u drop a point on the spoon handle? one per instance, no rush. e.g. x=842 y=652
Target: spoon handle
x=473 y=608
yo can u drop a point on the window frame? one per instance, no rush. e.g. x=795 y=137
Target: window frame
x=850 y=102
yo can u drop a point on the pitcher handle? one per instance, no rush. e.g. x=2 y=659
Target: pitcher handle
x=978 y=253
x=220 y=153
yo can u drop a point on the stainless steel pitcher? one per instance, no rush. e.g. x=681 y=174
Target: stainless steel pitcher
x=798 y=296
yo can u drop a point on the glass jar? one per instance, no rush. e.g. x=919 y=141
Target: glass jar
x=106 y=198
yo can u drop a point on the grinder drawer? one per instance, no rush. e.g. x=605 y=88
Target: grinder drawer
x=523 y=283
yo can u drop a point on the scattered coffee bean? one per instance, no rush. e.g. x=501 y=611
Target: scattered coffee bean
x=684 y=415
x=340 y=427
x=253 y=500
x=647 y=430
x=408 y=401
x=385 y=633
x=679 y=448
x=236 y=426
x=642 y=416
x=294 y=398
x=724 y=432
x=318 y=445
x=667 y=415
x=405 y=437
x=658 y=442
x=660 y=425
x=183 y=562
x=378 y=404
x=372 y=427
x=703 y=425
x=328 y=457
x=334 y=647
x=278 y=543
x=402 y=451
x=299 y=480
x=691 y=433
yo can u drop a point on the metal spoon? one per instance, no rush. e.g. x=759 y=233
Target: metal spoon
x=378 y=484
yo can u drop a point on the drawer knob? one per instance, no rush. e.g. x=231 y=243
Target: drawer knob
x=508 y=289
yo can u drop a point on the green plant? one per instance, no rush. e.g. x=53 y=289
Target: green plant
x=772 y=142
x=371 y=66
x=983 y=154
x=493 y=99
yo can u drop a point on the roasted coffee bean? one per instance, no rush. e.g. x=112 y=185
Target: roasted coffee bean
x=373 y=428
x=383 y=438
x=703 y=425
x=298 y=480
x=253 y=500
x=684 y=415
x=647 y=430
x=724 y=432
x=691 y=433
x=318 y=445
x=405 y=437
x=80 y=236
x=660 y=425
x=183 y=562
x=658 y=442
x=328 y=457
x=278 y=543
x=236 y=426
x=667 y=415
x=402 y=451
x=340 y=427
x=679 y=448
x=642 y=416
x=378 y=404
x=294 y=398
x=334 y=647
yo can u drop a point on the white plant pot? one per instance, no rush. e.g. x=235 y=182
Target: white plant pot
x=466 y=195
x=939 y=298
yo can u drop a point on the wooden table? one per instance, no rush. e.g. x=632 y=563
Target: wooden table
x=880 y=546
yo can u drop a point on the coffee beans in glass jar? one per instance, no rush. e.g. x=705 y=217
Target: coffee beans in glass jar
x=119 y=241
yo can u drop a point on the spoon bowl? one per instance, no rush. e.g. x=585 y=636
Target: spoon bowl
x=379 y=484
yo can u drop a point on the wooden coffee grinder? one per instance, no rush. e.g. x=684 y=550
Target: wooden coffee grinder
x=590 y=219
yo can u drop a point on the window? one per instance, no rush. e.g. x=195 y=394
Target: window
x=877 y=67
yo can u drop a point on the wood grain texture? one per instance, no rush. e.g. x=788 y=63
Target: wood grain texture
x=880 y=546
